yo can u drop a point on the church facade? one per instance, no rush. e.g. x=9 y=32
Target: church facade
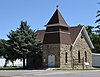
x=64 y=46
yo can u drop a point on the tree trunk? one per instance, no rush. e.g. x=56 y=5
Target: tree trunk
x=6 y=61
x=23 y=62
x=12 y=61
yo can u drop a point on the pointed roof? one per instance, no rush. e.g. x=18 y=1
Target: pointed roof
x=57 y=19
x=65 y=38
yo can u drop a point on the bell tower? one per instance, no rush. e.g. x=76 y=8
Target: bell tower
x=56 y=32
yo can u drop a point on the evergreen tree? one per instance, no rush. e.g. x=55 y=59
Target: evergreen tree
x=95 y=38
x=97 y=31
x=2 y=49
x=6 y=52
x=98 y=23
x=24 y=42
x=90 y=31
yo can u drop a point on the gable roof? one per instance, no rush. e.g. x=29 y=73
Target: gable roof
x=40 y=35
x=86 y=36
x=66 y=38
x=57 y=19
x=74 y=31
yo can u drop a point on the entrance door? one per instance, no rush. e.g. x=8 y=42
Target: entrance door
x=51 y=60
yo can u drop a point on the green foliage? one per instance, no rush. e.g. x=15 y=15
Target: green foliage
x=11 y=68
x=95 y=38
x=98 y=20
x=90 y=31
x=4 y=76
x=24 y=42
x=6 y=51
x=2 y=49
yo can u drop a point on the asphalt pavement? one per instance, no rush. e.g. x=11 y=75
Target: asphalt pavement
x=50 y=73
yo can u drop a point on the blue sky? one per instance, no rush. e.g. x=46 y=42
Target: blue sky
x=38 y=12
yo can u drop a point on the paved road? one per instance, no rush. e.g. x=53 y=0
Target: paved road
x=50 y=73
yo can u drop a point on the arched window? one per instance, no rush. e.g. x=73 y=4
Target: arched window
x=66 y=57
x=85 y=56
x=79 y=57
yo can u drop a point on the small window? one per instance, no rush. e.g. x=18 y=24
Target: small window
x=66 y=57
x=79 y=57
x=85 y=56
x=81 y=37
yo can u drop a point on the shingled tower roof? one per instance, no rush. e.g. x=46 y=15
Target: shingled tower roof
x=57 y=19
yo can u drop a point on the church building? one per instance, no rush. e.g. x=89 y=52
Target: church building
x=64 y=46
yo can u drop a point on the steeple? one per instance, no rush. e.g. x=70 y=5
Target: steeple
x=56 y=29
x=57 y=19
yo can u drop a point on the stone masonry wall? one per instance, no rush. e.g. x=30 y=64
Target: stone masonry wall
x=59 y=50
x=82 y=46
x=63 y=49
x=51 y=49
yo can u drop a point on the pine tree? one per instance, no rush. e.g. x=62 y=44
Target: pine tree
x=6 y=52
x=95 y=38
x=2 y=47
x=24 y=42
x=98 y=20
x=97 y=31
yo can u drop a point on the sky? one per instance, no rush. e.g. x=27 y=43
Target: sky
x=38 y=12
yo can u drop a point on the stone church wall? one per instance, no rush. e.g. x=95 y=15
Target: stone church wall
x=63 y=49
x=82 y=46
x=59 y=50
x=51 y=49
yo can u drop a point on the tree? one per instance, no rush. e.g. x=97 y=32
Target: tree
x=95 y=38
x=24 y=42
x=97 y=31
x=90 y=31
x=1 y=47
x=6 y=52
x=98 y=20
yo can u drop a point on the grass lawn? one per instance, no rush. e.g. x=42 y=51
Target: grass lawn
x=9 y=68
x=3 y=76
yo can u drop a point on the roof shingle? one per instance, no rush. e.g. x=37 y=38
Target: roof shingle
x=57 y=19
x=65 y=38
